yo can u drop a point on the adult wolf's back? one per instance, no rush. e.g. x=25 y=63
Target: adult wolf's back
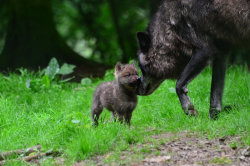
x=183 y=36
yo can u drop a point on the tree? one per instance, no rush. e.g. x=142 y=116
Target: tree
x=119 y=30
x=113 y=25
x=32 y=39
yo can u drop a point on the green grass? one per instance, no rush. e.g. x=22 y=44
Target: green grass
x=59 y=117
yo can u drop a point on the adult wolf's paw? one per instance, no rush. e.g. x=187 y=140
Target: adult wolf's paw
x=214 y=114
x=191 y=111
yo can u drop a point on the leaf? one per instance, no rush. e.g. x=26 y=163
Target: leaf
x=86 y=81
x=45 y=81
x=66 y=69
x=52 y=69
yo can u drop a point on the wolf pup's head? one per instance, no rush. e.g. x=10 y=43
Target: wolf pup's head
x=150 y=65
x=127 y=75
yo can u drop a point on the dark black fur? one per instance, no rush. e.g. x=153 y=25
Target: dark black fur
x=181 y=39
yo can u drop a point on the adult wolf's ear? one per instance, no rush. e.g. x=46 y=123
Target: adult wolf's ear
x=144 y=41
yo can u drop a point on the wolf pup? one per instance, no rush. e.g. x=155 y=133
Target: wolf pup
x=117 y=96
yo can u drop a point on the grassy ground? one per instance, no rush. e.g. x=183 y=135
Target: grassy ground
x=59 y=117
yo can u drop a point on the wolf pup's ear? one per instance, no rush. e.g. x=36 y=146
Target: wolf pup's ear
x=118 y=67
x=144 y=41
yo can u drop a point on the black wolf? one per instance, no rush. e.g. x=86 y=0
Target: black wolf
x=183 y=36
x=118 y=96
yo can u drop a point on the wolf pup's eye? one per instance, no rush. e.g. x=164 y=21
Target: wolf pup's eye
x=128 y=75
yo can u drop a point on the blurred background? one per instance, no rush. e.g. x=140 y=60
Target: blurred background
x=92 y=34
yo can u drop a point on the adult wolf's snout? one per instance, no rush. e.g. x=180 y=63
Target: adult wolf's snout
x=147 y=85
x=139 y=89
x=143 y=87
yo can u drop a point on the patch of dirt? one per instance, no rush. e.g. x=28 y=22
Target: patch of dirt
x=178 y=149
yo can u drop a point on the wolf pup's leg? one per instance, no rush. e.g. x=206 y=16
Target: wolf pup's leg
x=113 y=117
x=197 y=63
x=96 y=110
x=218 y=77
x=128 y=118
x=120 y=117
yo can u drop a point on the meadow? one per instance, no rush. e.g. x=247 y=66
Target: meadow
x=57 y=116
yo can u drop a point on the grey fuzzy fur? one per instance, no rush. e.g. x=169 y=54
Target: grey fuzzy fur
x=117 y=96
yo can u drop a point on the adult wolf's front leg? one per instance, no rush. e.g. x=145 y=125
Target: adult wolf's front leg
x=197 y=63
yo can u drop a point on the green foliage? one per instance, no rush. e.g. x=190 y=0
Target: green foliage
x=39 y=83
x=51 y=71
x=59 y=118
x=109 y=75
x=89 y=27
x=66 y=69
x=86 y=81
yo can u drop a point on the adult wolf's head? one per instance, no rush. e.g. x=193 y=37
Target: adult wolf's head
x=150 y=65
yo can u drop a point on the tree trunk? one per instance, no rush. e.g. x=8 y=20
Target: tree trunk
x=32 y=39
x=119 y=30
